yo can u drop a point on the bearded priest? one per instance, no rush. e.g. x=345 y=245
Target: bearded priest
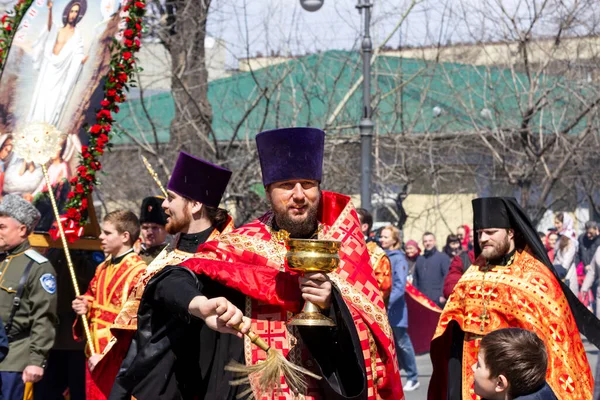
x=356 y=359
x=193 y=215
x=511 y=284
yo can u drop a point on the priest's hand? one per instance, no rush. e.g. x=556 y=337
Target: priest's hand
x=80 y=305
x=316 y=288
x=94 y=360
x=220 y=315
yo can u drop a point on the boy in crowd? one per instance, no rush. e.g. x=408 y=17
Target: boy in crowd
x=512 y=364
x=107 y=292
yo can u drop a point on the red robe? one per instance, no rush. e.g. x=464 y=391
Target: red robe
x=106 y=295
x=423 y=317
x=251 y=259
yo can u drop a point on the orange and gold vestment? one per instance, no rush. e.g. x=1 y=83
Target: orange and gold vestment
x=382 y=268
x=106 y=295
x=523 y=294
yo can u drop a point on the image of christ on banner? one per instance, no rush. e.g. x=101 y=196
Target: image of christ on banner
x=53 y=73
x=58 y=55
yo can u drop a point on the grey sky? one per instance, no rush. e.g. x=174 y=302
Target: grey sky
x=252 y=26
x=262 y=26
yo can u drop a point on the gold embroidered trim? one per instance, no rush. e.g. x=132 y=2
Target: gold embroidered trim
x=265 y=248
x=360 y=301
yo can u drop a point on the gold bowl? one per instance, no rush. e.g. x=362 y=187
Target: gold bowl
x=308 y=255
x=312 y=255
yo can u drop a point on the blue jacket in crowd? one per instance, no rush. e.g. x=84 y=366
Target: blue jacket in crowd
x=431 y=269
x=397 y=313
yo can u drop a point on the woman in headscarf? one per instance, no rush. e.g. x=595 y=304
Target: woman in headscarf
x=566 y=249
x=412 y=251
x=464 y=235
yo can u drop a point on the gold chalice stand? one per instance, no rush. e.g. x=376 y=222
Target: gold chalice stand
x=311 y=255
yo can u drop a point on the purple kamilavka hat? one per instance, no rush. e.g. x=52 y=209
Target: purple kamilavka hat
x=291 y=153
x=199 y=180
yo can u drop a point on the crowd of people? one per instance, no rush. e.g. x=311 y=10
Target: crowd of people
x=177 y=288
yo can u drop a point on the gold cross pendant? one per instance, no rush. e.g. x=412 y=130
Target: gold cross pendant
x=483 y=317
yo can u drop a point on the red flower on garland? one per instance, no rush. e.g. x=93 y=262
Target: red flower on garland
x=95 y=128
x=104 y=113
x=73 y=213
x=102 y=140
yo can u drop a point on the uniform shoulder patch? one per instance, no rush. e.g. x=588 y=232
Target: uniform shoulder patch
x=35 y=256
x=48 y=282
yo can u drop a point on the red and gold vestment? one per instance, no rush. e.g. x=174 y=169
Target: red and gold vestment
x=523 y=294
x=382 y=268
x=106 y=295
x=125 y=324
x=251 y=259
x=127 y=318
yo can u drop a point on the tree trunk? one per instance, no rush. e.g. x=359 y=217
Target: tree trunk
x=191 y=128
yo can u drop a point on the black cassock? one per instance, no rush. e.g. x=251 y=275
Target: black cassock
x=174 y=355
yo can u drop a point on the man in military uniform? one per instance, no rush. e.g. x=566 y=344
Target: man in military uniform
x=154 y=234
x=25 y=274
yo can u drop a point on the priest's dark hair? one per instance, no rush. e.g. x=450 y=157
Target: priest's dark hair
x=365 y=217
x=218 y=216
x=519 y=355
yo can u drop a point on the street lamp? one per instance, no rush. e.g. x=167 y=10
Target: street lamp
x=311 y=5
x=366 y=125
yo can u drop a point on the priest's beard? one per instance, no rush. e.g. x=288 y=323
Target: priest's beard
x=499 y=249
x=299 y=229
x=180 y=222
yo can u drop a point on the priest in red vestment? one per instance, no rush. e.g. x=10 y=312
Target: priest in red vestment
x=356 y=359
x=511 y=284
x=107 y=293
x=194 y=217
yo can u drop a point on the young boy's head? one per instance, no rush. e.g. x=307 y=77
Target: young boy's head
x=512 y=362
x=120 y=230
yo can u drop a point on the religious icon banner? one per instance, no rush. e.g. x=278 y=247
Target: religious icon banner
x=61 y=64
